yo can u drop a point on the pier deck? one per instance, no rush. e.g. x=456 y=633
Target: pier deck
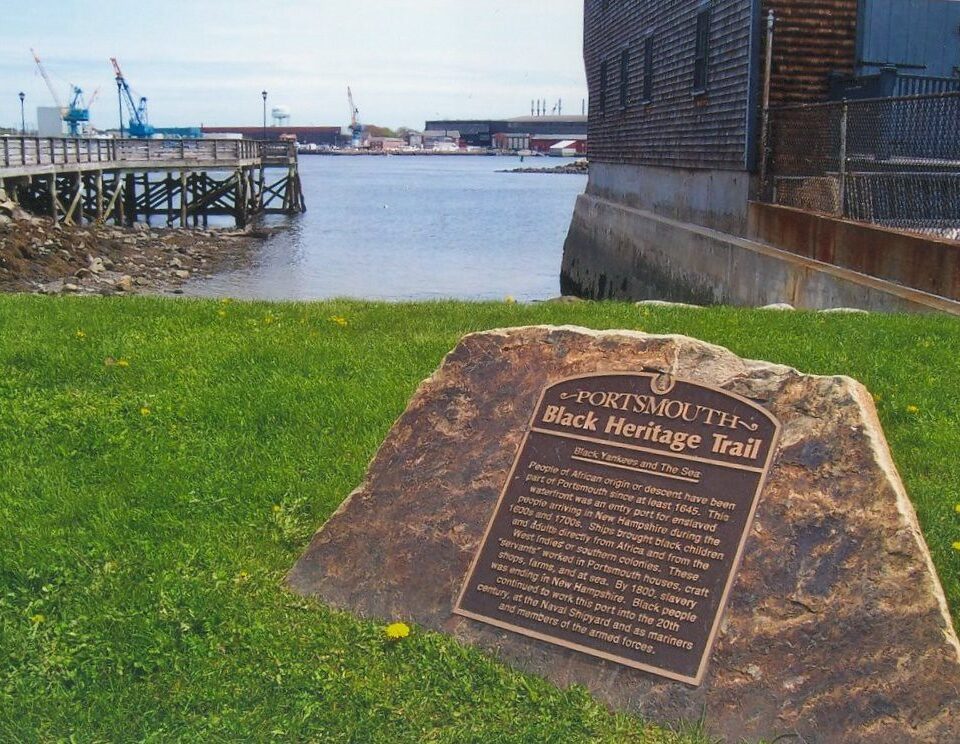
x=81 y=179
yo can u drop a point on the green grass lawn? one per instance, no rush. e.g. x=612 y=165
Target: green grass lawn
x=165 y=462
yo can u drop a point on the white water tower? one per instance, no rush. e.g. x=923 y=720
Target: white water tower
x=281 y=115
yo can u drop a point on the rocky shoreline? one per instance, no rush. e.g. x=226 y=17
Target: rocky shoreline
x=579 y=167
x=39 y=256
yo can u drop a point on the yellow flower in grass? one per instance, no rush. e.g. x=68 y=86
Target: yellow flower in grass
x=144 y=411
x=396 y=631
x=340 y=321
x=957 y=508
x=37 y=619
x=222 y=313
x=123 y=363
x=913 y=409
x=956 y=545
x=81 y=335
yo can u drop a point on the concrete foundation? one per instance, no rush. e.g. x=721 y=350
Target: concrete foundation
x=614 y=250
x=714 y=198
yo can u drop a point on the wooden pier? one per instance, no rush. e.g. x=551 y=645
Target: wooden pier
x=180 y=181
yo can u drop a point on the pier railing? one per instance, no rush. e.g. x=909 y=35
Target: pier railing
x=26 y=152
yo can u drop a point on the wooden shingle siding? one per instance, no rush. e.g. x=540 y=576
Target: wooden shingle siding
x=812 y=38
x=676 y=128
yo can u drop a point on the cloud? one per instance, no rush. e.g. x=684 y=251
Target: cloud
x=407 y=60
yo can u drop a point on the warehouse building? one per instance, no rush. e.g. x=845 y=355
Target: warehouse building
x=685 y=159
x=330 y=136
x=483 y=132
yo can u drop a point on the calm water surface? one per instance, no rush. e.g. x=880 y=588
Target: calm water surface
x=413 y=228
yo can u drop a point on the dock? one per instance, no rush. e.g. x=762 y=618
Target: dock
x=181 y=181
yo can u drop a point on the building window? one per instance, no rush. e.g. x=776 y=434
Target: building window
x=647 y=94
x=702 y=54
x=624 y=77
x=603 y=87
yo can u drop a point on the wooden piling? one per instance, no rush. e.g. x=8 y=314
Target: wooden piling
x=99 y=195
x=53 y=197
x=168 y=184
x=183 y=198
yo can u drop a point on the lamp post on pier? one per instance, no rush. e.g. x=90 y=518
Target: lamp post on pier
x=264 y=94
x=23 y=122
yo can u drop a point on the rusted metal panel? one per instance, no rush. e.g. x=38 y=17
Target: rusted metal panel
x=921 y=262
x=812 y=38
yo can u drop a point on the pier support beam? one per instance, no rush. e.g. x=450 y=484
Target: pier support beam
x=183 y=198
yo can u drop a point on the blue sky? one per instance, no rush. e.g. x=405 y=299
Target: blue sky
x=206 y=61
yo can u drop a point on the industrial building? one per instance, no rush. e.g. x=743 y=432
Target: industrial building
x=482 y=132
x=329 y=136
x=681 y=141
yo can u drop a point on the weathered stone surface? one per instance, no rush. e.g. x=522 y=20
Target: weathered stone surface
x=836 y=628
x=665 y=303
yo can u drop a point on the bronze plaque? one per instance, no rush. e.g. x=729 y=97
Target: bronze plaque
x=622 y=522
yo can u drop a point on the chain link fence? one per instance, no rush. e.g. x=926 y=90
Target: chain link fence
x=889 y=161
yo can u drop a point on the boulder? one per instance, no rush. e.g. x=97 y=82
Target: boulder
x=836 y=628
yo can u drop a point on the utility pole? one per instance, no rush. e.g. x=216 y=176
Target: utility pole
x=23 y=121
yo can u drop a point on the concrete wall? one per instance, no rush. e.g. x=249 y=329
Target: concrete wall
x=618 y=251
x=714 y=198
x=917 y=261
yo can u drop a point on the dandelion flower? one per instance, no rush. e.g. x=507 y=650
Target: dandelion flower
x=957 y=508
x=222 y=313
x=956 y=545
x=340 y=321
x=123 y=363
x=37 y=619
x=81 y=335
x=144 y=411
x=912 y=409
x=396 y=631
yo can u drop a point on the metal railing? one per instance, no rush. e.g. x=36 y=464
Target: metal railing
x=25 y=152
x=919 y=85
x=889 y=161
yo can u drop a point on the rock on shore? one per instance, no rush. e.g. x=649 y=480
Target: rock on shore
x=37 y=255
x=581 y=167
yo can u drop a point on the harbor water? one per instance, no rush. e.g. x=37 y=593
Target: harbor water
x=413 y=228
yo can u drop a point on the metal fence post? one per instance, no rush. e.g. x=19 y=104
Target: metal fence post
x=843 y=158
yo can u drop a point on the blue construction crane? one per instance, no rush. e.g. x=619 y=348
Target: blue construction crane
x=139 y=125
x=77 y=113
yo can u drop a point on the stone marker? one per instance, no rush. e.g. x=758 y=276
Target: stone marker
x=835 y=625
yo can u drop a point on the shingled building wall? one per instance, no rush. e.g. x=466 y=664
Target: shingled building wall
x=716 y=127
